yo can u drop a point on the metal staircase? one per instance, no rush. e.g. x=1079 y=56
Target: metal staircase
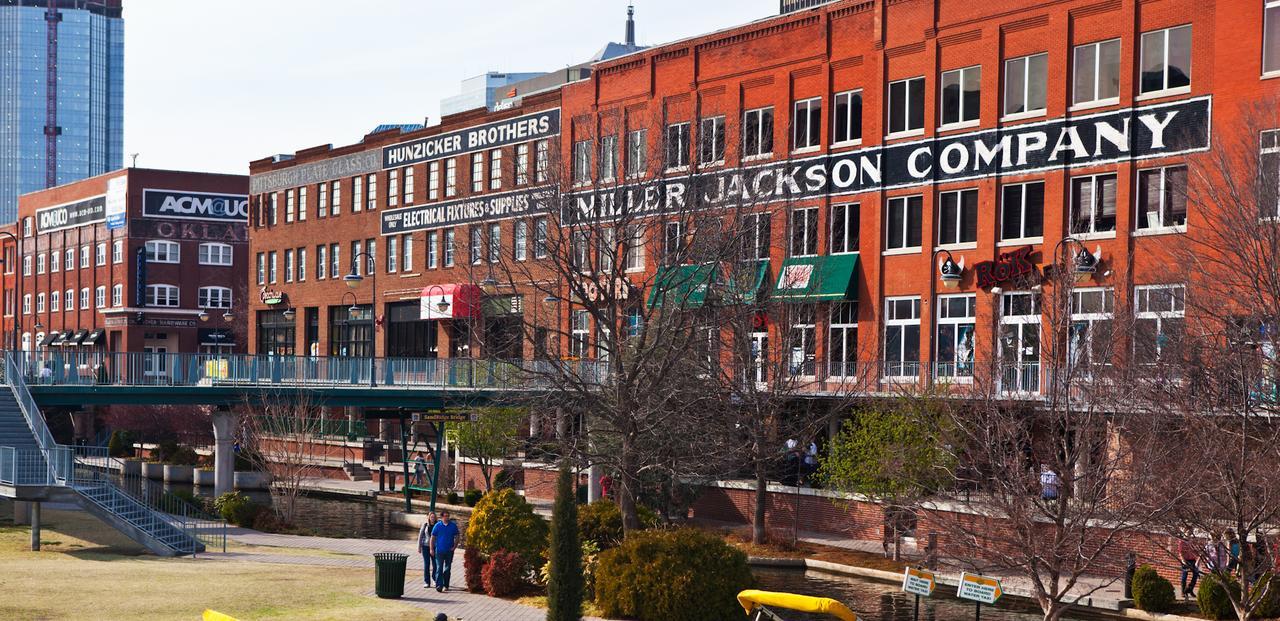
x=141 y=509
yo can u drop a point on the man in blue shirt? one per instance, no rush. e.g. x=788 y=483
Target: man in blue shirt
x=444 y=538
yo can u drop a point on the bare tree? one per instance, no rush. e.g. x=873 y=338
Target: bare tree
x=278 y=436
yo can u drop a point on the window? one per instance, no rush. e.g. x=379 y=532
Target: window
x=1269 y=173
x=804 y=232
x=1089 y=338
x=711 y=140
x=1162 y=198
x=902 y=227
x=757 y=133
x=1097 y=73
x=520 y=249
x=26 y=304
x=635 y=248
x=274 y=214
x=1022 y=211
x=357 y=193
x=1271 y=38
x=451 y=177
x=582 y=162
x=961 y=96
x=542 y=161
x=371 y=187
x=302 y=204
x=371 y=255
x=408 y=185
x=806 y=124
x=956 y=320
x=69 y=259
x=606 y=250
x=495 y=169
x=271 y=266
x=1166 y=60
x=801 y=342
x=672 y=242
x=288 y=206
x=540 y=238
x=902 y=337
x=69 y=300
x=1093 y=204
x=637 y=152
x=906 y=106
x=580 y=336
x=215 y=254
x=1158 y=315
x=162 y=295
x=477 y=172
x=522 y=164
x=393 y=254
x=214 y=297
x=406 y=252
x=580 y=251
x=262 y=269
x=100 y=254
x=335 y=261
x=433 y=181
x=393 y=187
x=160 y=251
x=54 y=263
x=322 y=200
x=677 y=146
x=117 y=251
x=476 y=237
x=40 y=261
x=322 y=262
x=117 y=296
x=958 y=217
x=55 y=301
x=842 y=343
x=847 y=118
x=26 y=265
x=84 y=299
x=337 y=198
x=1026 y=84
x=84 y=256
x=26 y=226
x=288 y=265
x=495 y=242
x=756 y=236
x=433 y=250
x=450 y=246
x=357 y=249
x=1019 y=342
x=608 y=158
x=845 y=228
x=302 y=264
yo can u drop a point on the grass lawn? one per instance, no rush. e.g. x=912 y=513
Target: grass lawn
x=88 y=570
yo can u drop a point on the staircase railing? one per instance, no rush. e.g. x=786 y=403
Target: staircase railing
x=56 y=457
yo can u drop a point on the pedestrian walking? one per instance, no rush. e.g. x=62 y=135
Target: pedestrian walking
x=1190 y=556
x=444 y=538
x=419 y=471
x=424 y=548
x=1233 y=550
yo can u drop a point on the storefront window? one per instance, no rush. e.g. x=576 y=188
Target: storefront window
x=351 y=332
x=276 y=335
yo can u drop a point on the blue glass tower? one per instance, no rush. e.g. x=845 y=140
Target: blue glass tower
x=83 y=116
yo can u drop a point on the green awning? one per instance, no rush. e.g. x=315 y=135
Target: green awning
x=682 y=285
x=814 y=279
x=744 y=284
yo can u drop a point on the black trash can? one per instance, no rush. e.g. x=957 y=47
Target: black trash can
x=388 y=570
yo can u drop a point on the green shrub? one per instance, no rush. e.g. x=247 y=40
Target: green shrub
x=590 y=561
x=1213 y=601
x=184 y=456
x=1151 y=592
x=674 y=575
x=503 y=520
x=503 y=574
x=451 y=498
x=120 y=444
x=473 y=569
x=601 y=523
x=236 y=508
x=1269 y=607
x=472 y=496
x=164 y=450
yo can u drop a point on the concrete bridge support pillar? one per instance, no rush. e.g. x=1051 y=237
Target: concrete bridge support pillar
x=594 y=492
x=224 y=458
x=35 y=526
x=82 y=426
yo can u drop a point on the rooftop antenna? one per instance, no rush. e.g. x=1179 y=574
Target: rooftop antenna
x=631 y=24
x=135 y=160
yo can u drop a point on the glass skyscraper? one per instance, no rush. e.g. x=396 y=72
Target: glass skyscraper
x=88 y=38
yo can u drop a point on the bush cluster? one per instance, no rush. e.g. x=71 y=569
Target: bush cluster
x=676 y=575
x=451 y=498
x=503 y=574
x=473 y=569
x=120 y=444
x=1151 y=592
x=1214 y=602
x=237 y=509
x=472 y=496
x=503 y=520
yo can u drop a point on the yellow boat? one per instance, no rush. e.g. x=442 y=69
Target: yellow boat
x=760 y=603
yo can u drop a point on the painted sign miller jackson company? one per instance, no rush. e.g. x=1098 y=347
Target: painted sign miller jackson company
x=1130 y=134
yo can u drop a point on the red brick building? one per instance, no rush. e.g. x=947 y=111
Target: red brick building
x=134 y=260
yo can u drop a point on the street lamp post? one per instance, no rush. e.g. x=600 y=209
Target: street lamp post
x=949 y=272
x=1083 y=263
x=353 y=280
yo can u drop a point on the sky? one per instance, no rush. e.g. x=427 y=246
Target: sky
x=210 y=86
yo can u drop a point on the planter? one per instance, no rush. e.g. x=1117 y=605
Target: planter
x=252 y=480
x=204 y=477
x=153 y=470
x=132 y=467
x=177 y=474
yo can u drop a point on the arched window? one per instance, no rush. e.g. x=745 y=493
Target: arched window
x=162 y=295
x=214 y=297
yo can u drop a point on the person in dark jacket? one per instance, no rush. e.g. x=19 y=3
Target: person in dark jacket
x=424 y=548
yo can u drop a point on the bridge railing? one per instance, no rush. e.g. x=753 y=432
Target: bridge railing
x=50 y=367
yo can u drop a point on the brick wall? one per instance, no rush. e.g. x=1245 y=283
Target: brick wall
x=817 y=513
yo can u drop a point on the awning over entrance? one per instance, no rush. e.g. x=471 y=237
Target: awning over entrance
x=47 y=339
x=93 y=337
x=743 y=286
x=682 y=285
x=76 y=339
x=56 y=340
x=450 y=301
x=815 y=279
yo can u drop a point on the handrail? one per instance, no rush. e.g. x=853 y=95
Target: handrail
x=57 y=468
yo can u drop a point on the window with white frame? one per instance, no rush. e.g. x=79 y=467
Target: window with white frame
x=288 y=265
x=842 y=339
x=40 y=302
x=273 y=264
x=406 y=252
x=845 y=227
x=26 y=265
x=1166 y=60
x=433 y=181
x=288 y=206
x=433 y=250
x=520 y=243
x=580 y=334
x=451 y=177
x=26 y=226
x=1162 y=198
x=273 y=214
x=84 y=298
x=302 y=204
x=606 y=250
x=677 y=146
x=1093 y=204
x=476 y=237
x=54 y=264
x=213 y=253
x=582 y=162
x=1271 y=37
x=802 y=346
x=408 y=185
x=162 y=251
x=100 y=254
x=337 y=198
x=1097 y=73
x=495 y=169
x=450 y=247
x=69 y=259
x=635 y=248
x=804 y=232
x=902 y=337
x=214 y=297
x=26 y=304
x=522 y=164
x=84 y=256
x=954 y=343
x=477 y=172
x=806 y=124
x=906 y=106
x=322 y=262
x=757 y=232
x=637 y=152
x=55 y=301
x=162 y=295
x=117 y=251
x=541 y=160
x=757 y=132
x=302 y=264
x=1026 y=83
x=69 y=300
x=961 y=96
x=1159 y=319
x=1022 y=210
x=608 y=158
x=117 y=296
x=846 y=118
x=371 y=189
x=393 y=254
x=335 y=261
x=495 y=242
x=958 y=217
x=902 y=226
x=711 y=140
x=262 y=268
x=540 y=238
x=580 y=251
x=40 y=262
x=1020 y=342
x=672 y=242
x=322 y=200
x=393 y=187
x=371 y=260
x=1089 y=338
x=1269 y=172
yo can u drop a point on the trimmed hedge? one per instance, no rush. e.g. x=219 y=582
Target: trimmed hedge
x=676 y=575
x=1151 y=592
x=503 y=574
x=503 y=520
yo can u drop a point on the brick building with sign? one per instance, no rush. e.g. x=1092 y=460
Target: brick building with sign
x=136 y=260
